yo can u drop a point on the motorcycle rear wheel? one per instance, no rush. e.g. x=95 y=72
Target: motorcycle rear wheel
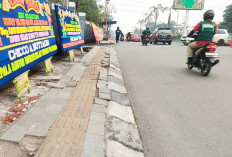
x=206 y=69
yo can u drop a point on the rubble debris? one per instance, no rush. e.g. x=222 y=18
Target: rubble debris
x=18 y=109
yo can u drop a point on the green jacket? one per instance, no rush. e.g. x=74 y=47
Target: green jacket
x=206 y=31
x=147 y=32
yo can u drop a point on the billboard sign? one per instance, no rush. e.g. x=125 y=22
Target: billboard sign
x=98 y=32
x=26 y=36
x=69 y=29
x=189 y=4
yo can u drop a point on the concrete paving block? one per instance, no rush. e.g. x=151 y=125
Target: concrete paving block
x=96 y=126
x=104 y=90
x=102 y=82
x=39 y=129
x=106 y=65
x=105 y=59
x=120 y=98
x=59 y=85
x=27 y=120
x=104 y=96
x=114 y=67
x=115 y=80
x=101 y=85
x=99 y=116
x=123 y=132
x=93 y=146
x=102 y=78
x=98 y=108
x=100 y=101
x=116 y=149
x=115 y=75
x=116 y=71
x=117 y=88
x=15 y=134
x=120 y=111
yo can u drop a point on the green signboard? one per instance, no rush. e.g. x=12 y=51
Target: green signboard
x=189 y=4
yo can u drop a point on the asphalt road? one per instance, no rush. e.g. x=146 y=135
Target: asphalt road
x=179 y=112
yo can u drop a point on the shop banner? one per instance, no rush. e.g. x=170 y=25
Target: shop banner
x=98 y=32
x=26 y=36
x=69 y=29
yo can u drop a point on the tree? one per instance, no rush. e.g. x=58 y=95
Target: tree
x=155 y=11
x=227 y=19
x=141 y=24
x=92 y=9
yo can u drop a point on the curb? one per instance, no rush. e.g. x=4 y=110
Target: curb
x=122 y=133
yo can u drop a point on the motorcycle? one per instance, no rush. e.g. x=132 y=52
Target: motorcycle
x=204 y=58
x=146 y=40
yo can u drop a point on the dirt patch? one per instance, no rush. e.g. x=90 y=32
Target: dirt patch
x=30 y=144
x=8 y=149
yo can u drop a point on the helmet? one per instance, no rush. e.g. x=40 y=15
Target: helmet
x=209 y=14
x=147 y=28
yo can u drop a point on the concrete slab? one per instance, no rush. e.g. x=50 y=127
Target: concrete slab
x=120 y=111
x=123 y=132
x=115 y=149
x=114 y=67
x=117 y=88
x=104 y=96
x=115 y=71
x=101 y=85
x=115 y=80
x=14 y=134
x=39 y=129
x=100 y=101
x=58 y=85
x=120 y=98
x=93 y=146
x=98 y=108
x=115 y=75
x=104 y=90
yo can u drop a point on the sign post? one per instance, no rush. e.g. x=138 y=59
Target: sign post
x=71 y=55
x=22 y=84
x=48 y=66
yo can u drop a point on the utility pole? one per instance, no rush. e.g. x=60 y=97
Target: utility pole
x=186 y=21
x=106 y=17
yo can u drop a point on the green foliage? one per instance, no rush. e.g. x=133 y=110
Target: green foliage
x=55 y=1
x=92 y=9
x=227 y=19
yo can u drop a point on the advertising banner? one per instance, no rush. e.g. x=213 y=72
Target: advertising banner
x=26 y=36
x=69 y=29
x=189 y=4
x=98 y=32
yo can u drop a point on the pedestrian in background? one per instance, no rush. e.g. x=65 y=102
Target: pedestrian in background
x=118 y=32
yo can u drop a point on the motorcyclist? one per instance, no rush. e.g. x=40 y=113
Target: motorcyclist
x=118 y=33
x=145 y=32
x=206 y=30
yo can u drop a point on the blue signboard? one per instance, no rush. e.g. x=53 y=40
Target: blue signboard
x=69 y=29
x=26 y=36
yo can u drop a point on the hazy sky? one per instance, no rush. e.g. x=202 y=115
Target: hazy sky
x=130 y=11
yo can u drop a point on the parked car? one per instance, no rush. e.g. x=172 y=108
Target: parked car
x=222 y=37
x=163 y=35
x=186 y=40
